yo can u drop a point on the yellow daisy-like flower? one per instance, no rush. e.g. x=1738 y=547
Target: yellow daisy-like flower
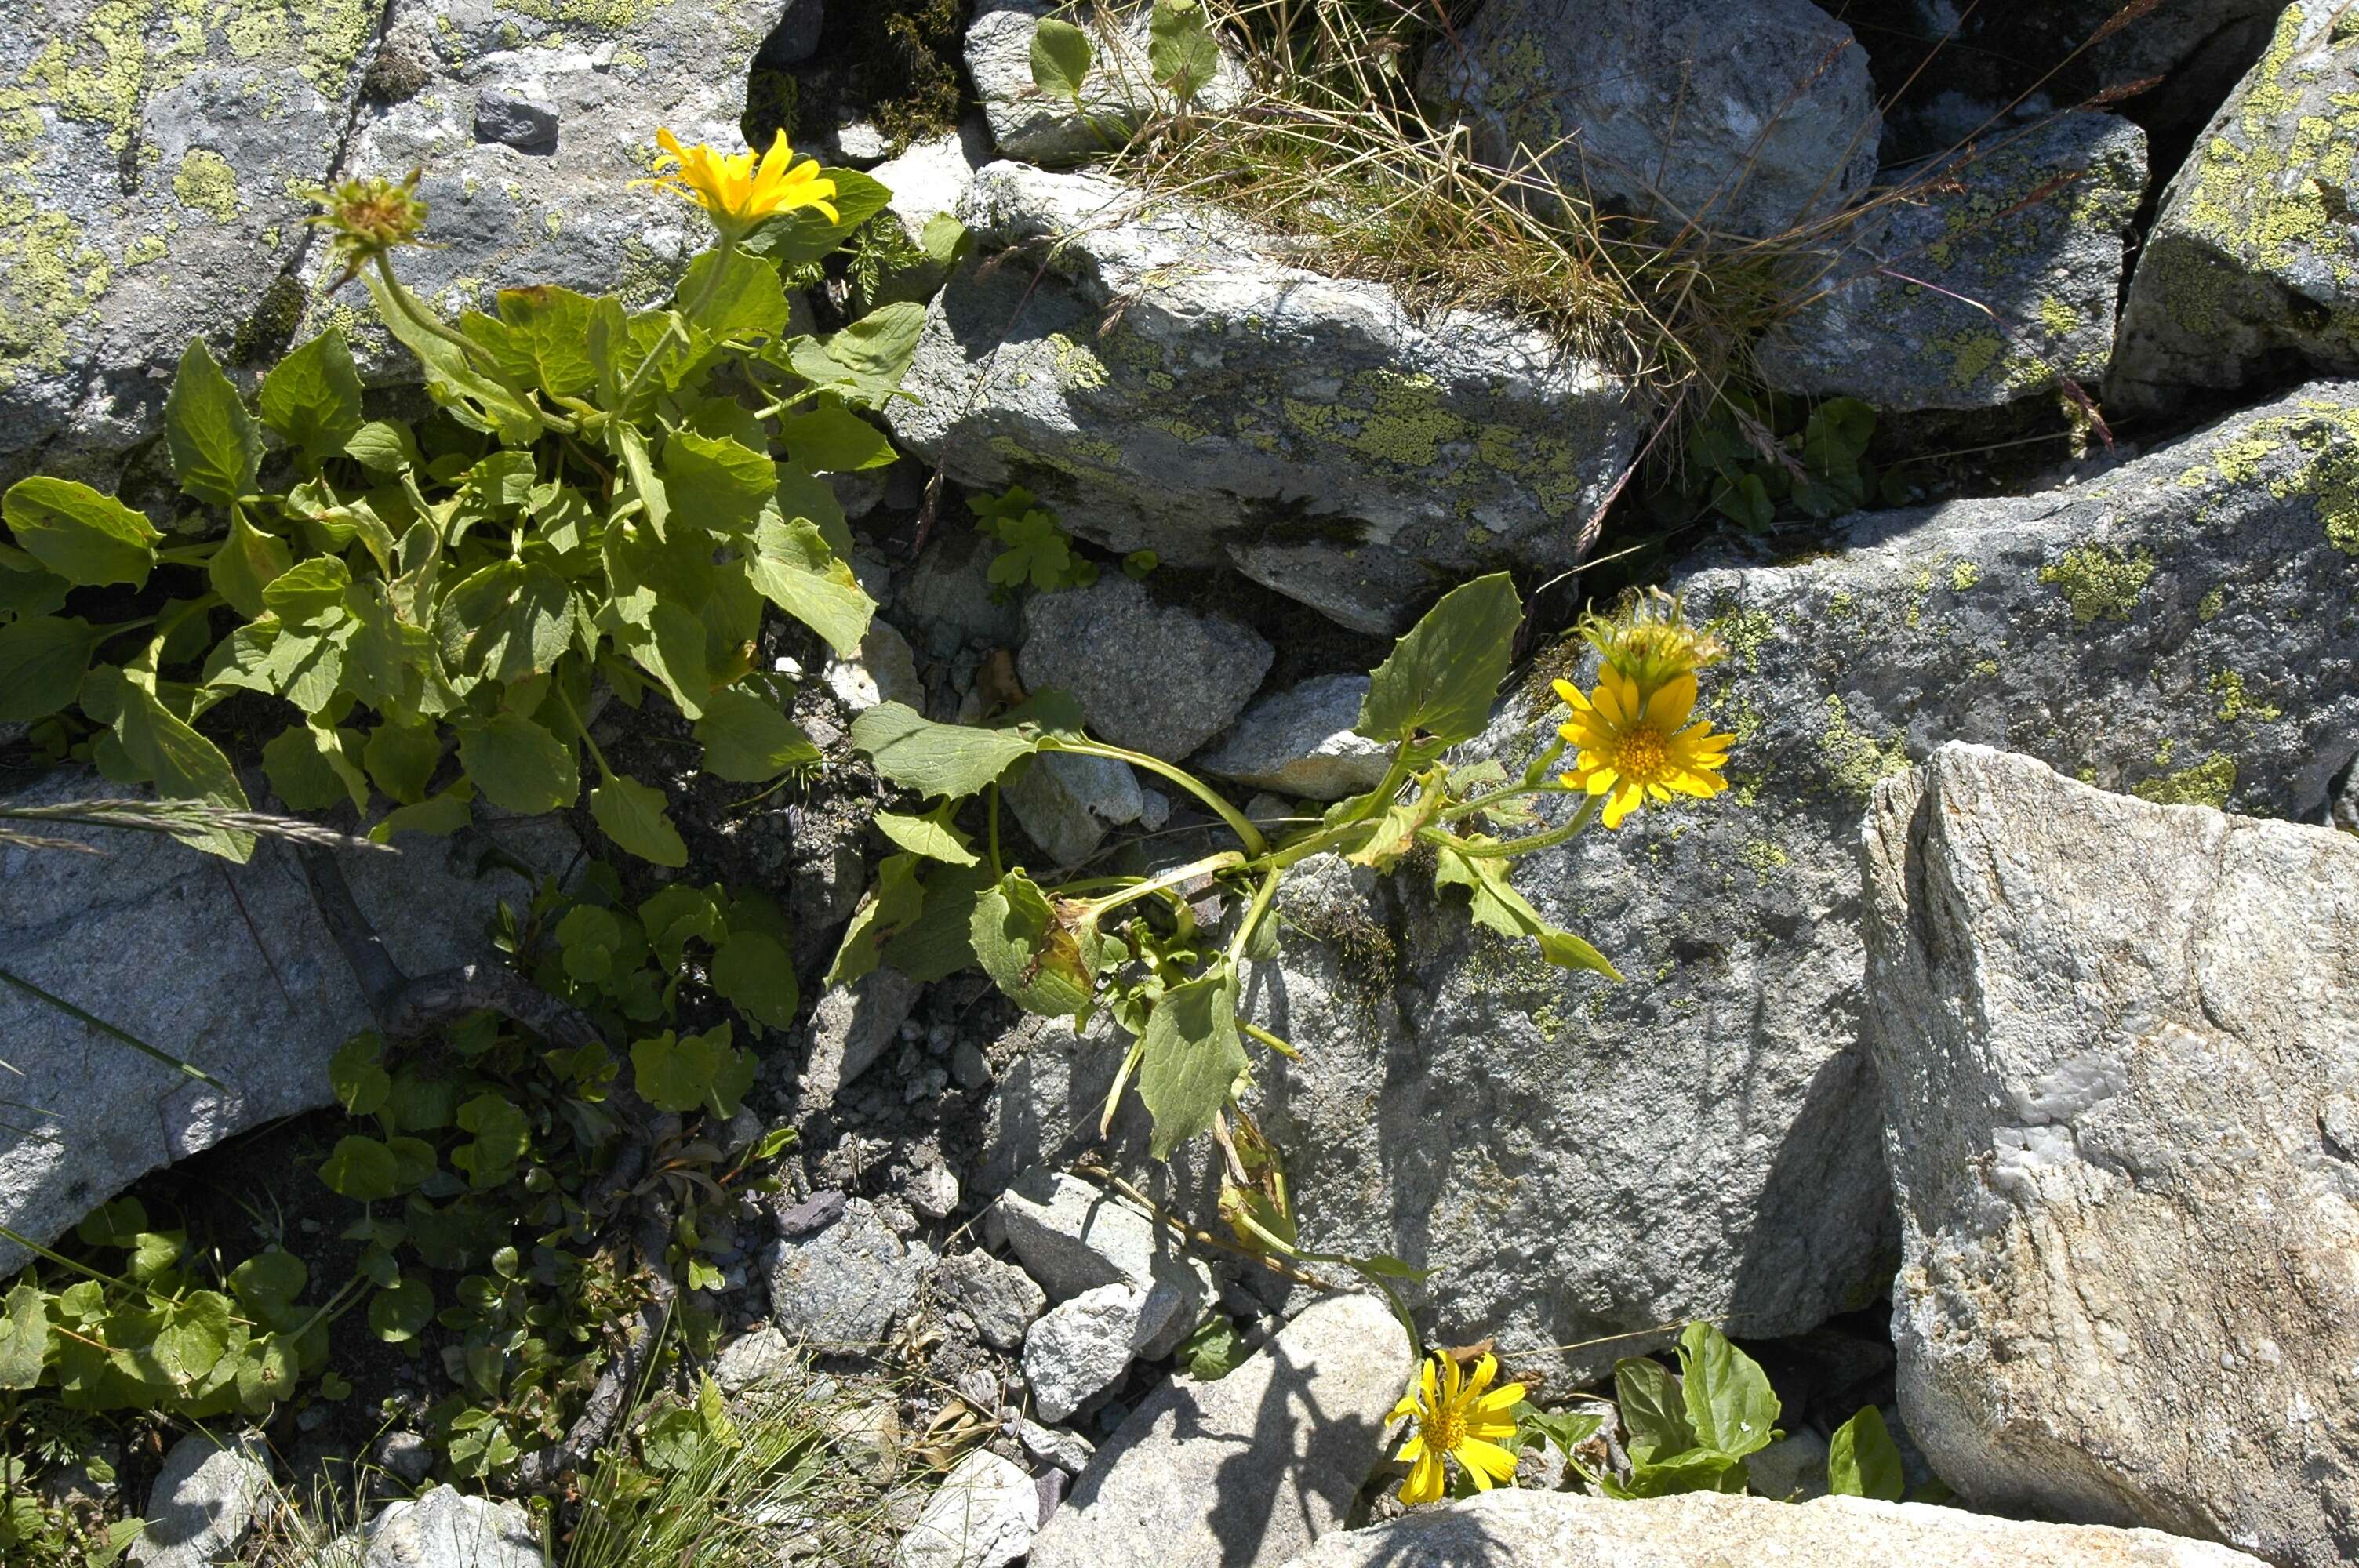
x=1456 y=1418
x=1633 y=747
x=739 y=191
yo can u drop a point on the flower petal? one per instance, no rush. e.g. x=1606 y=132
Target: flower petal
x=1484 y=1460
x=1672 y=702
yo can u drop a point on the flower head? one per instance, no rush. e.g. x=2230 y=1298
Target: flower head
x=367 y=218
x=1648 y=639
x=1461 y=1417
x=739 y=191
x=1633 y=746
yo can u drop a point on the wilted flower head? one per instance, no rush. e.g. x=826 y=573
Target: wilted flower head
x=736 y=191
x=1648 y=641
x=367 y=218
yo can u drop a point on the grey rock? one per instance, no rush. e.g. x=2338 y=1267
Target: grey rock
x=447 y=1528
x=931 y=1191
x=759 y=1359
x=2119 y=1042
x=931 y=176
x=841 y=1289
x=1118 y=93
x=857 y=143
x=1300 y=742
x=998 y=1298
x=1792 y=1469
x=869 y=1439
x=1157 y=679
x=2181 y=626
x=1553 y=1529
x=1067 y=1451
x=520 y=122
x=852 y=1026
x=226 y=967
x=859 y=492
x=982 y=1516
x=1238 y=410
x=1080 y=1347
x=2249 y=266
x=2026 y=225
x=406 y=1456
x=814 y=1213
x=1744 y=116
x=1067 y=803
x=884 y=670
x=949 y=603
x=1072 y=1237
x=1245 y=1470
x=969 y=1066
x=204 y=1501
x=795 y=36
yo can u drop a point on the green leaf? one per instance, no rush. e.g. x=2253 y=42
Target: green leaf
x=1191 y=1059
x=865 y=363
x=720 y=484
x=247 y=561
x=678 y=915
x=752 y=973
x=311 y=769
x=357 y=1075
x=747 y=741
x=542 y=336
x=89 y=539
x=312 y=397
x=691 y=1072
x=1863 y=1461
x=1695 y=1470
x=834 y=440
x=360 y=1168
x=1027 y=952
x=632 y=815
x=195 y=1331
x=1180 y=49
x=384 y=446
x=894 y=902
x=1214 y=1350
x=518 y=765
x=671 y=646
x=1060 y=58
x=451 y=379
x=939 y=942
x=951 y=759
x=214 y=446
x=674 y=1440
x=1495 y=903
x=501 y=1132
x=437 y=815
x=43 y=659
x=302 y=596
x=1729 y=1401
x=745 y=301
x=1654 y=1413
x=806 y=235
x=506 y=622
x=925 y=835
x=1440 y=679
x=268 y=1282
x=792 y=565
x=1566 y=1430
x=184 y=765
x=401 y=1313
x=401 y=758
x=24 y=1337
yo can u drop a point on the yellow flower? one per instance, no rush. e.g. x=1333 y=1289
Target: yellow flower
x=1648 y=639
x=1455 y=1417
x=1633 y=747
x=738 y=192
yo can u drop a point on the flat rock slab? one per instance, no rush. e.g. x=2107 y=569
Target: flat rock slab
x=1245 y=1470
x=226 y=967
x=2253 y=262
x=203 y=1503
x=447 y=1528
x=840 y=1288
x=2120 y=1046
x=1705 y=1137
x=1175 y=383
x=1558 y=1530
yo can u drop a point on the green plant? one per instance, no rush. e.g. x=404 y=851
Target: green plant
x=600 y=497
x=1863 y=1461
x=1691 y=1432
x=1037 y=552
x=38 y=1533
x=1747 y=458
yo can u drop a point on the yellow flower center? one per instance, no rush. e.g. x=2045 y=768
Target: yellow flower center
x=1640 y=756
x=1443 y=1430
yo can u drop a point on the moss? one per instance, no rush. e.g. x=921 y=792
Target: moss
x=265 y=334
x=1986 y=668
x=2098 y=582
x=2208 y=783
x=1077 y=365
x=1852 y=762
x=1743 y=633
x=145 y=249
x=50 y=277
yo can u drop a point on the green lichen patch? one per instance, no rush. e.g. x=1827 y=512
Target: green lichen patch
x=1853 y=762
x=2098 y=582
x=2208 y=783
x=206 y=183
x=2228 y=686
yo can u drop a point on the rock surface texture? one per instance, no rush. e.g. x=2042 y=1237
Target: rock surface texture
x=2028 y=225
x=1536 y=1530
x=447 y=1528
x=842 y=1288
x=2120 y=1045
x=1247 y=1470
x=2249 y=270
x=1115 y=98
x=1174 y=384
x=1747 y=116
x=1152 y=677
x=1705 y=1139
x=1299 y=742
x=228 y=967
x=982 y=1516
x=203 y=1503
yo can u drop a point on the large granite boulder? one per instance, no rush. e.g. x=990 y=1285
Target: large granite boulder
x=2120 y=1050
x=1742 y=116
x=1705 y=1530
x=2014 y=250
x=2251 y=265
x=1705 y=1139
x=226 y=967
x=1173 y=383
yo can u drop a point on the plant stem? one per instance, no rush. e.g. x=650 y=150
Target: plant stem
x=1246 y=832
x=581 y=729
x=721 y=254
x=424 y=317
x=998 y=867
x=1254 y=913
x=1272 y=1040
x=1525 y=846
x=1227 y=859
